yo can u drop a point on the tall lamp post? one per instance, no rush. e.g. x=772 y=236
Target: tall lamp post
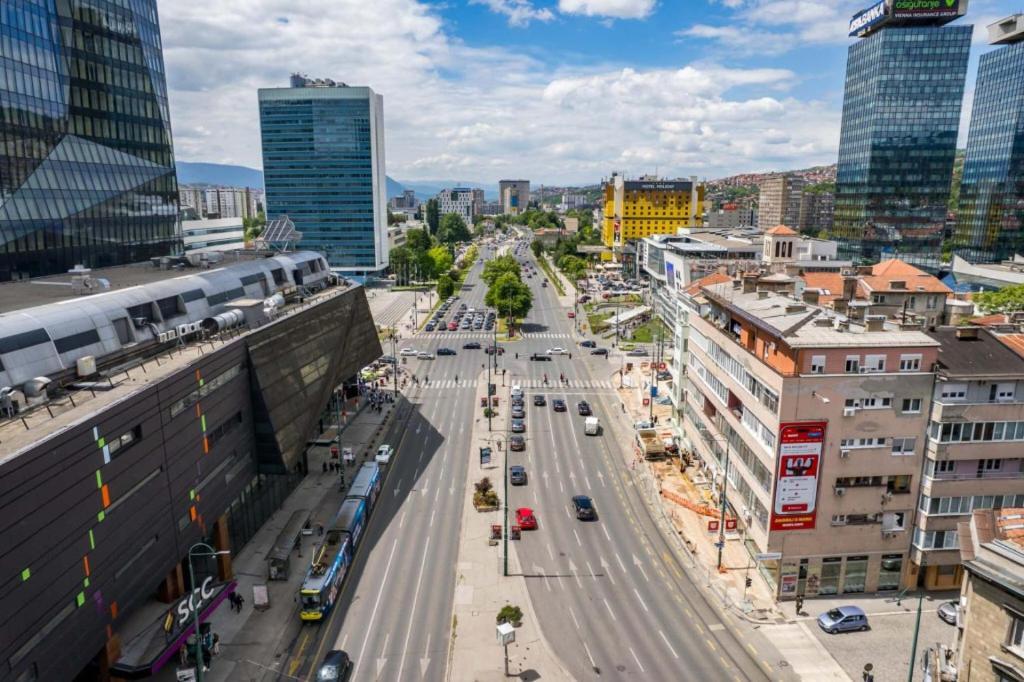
x=721 y=522
x=210 y=551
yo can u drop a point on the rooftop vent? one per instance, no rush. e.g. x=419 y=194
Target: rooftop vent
x=823 y=322
x=968 y=333
x=762 y=294
x=795 y=308
x=874 y=323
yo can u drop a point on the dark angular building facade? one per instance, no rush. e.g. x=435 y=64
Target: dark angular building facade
x=97 y=517
x=86 y=163
x=990 y=219
x=901 y=114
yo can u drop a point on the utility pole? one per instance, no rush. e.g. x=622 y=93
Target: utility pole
x=394 y=367
x=489 y=409
x=721 y=522
x=913 y=645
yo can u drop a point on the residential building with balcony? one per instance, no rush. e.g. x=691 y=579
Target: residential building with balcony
x=779 y=203
x=974 y=446
x=808 y=416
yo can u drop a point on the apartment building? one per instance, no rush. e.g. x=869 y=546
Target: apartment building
x=973 y=449
x=635 y=209
x=817 y=422
x=462 y=201
x=779 y=202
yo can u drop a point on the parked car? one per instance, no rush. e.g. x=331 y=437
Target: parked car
x=540 y=358
x=518 y=413
x=384 y=453
x=446 y=351
x=491 y=350
x=518 y=426
x=517 y=475
x=336 y=667
x=424 y=355
x=588 y=344
x=539 y=400
x=664 y=375
x=430 y=327
x=558 y=405
x=472 y=345
x=584 y=408
x=408 y=351
x=570 y=315
x=583 y=506
x=516 y=443
x=557 y=350
x=452 y=326
x=526 y=519
x=948 y=610
x=843 y=619
x=599 y=351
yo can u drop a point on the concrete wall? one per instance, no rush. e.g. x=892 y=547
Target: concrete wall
x=986 y=624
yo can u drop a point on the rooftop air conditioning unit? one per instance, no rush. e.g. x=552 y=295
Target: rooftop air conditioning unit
x=849 y=411
x=840 y=491
x=140 y=322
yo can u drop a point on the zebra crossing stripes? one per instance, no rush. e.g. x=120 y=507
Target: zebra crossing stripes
x=545 y=335
x=488 y=335
x=553 y=384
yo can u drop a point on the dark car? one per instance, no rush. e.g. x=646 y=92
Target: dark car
x=336 y=666
x=599 y=351
x=517 y=475
x=446 y=351
x=584 y=408
x=558 y=404
x=472 y=345
x=539 y=400
x=491 y=350
x=584 y=508
x=430 y=327
x=588 y=344
x=664 y=375
x=518 y=413
x=516 y=443
x=540 y=357
x=518 y=426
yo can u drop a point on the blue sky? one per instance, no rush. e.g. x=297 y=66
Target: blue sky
x=560 y=91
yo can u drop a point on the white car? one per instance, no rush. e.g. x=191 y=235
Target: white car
x=424 y=355
x=384 y=453
x=408 y=351
x=557 y=351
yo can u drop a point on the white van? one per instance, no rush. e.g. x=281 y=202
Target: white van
x=591 y=426
x=517 y=391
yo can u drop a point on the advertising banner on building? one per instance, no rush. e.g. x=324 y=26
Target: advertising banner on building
x=869 y=18
x=925 y=9
x=670 y=275
x=796 y=483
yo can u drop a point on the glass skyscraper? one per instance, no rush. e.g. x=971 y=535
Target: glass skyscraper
x=991 y=212
x=323 y=167
x=901 y=113
x=86 y=164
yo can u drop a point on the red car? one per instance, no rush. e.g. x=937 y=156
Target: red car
x=571 y=314
x=525 y=518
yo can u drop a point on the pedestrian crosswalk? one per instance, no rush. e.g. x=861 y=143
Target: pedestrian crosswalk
x=553 y=384
x=489 y=335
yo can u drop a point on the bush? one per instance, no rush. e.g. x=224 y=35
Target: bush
x=510 y=614
x=483 y=485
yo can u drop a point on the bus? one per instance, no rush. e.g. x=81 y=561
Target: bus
x=331 y=560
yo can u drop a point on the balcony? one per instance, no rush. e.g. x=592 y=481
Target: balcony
x=995 y=411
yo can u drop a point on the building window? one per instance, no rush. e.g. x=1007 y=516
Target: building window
x=933 y=302
x=911 y=405
x=117 y=446
x=851 y=443
x=856 y=576
x=903 y=446
x=898 y=484
x=874 y=363
x=889 y=572
x=852 y=364
x=910 y=363
x=990 y=464
x=953 y=391
x=817 y=364
x=1001 y=393
x=894 y=521
x=1015 y=633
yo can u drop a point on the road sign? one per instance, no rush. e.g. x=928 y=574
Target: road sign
x=768 y=556
x=485 y=456
x=712 y=525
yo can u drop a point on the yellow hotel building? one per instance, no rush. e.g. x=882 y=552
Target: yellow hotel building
x=634 y=209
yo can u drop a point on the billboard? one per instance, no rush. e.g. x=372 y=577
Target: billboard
x=869 y=18
x=925 y=9
x=670 y=275
x=659 y=185
x=796 y=482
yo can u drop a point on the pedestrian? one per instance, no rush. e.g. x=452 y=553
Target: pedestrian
x=320 y=529
x=799 y=604
x=325 y=466
x=241 y=602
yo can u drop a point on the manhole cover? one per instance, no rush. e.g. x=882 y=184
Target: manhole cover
x=621 y=668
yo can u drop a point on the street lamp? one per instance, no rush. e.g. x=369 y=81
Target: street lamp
x=200 y=661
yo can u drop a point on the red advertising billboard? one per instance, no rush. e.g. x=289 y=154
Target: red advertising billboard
x=796 y=483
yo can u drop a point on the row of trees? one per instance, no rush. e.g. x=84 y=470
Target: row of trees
x=506 y=291
x=421 y=258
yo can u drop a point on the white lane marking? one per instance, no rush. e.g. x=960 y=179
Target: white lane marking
x=621 y=565
x=436 y=493
x=538 y=571
x=665 y=639
x=638 y=663
x=578 y=541
x=412 y=613
x=558 y=469
x=432 y=517
x=609 y=607
x=607 y=569
x=605 y=529
x=376 y=605
x=561 y=486
x=550 y=553
x=344 y=641
x=575 y=574
x=641 y=599
x=587 y=479
x=401 y=521
x=639 y=564
x=600 y=475
x=589 y=656
x=425 y=660
x=382 y=660
x=591 y=570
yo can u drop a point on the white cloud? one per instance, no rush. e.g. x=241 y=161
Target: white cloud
x=451 y=109
x=615 y=9
x=741 y=40
x=519 y=12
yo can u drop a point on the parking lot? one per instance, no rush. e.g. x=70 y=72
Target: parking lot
x=887 y=644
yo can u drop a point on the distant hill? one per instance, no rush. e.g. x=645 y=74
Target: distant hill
x=426 y=189
x=193 y=173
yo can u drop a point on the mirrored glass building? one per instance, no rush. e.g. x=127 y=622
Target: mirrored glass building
x=86 y=164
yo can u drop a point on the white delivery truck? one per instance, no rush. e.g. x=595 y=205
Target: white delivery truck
x=591 y=426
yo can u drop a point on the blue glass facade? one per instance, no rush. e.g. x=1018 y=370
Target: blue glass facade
x=991 y=211
x=86 y=163
x=323 y=168
x=901 y=113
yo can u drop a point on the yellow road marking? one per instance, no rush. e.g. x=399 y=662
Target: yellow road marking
x=752 y=649
x=297 y=658
x=711 y=644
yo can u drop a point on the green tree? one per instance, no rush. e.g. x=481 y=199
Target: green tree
x=537 y=247
x=573 y=266
x=510 y=296
x=400 y=259
x=453 y=229
x=441 y=260
x=253 y=227
x=433 y=216
x=445 y=286
x=1006 y=300
x=496 y=267
x=418 y=241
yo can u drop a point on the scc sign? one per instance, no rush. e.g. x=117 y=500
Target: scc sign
x=196 y=600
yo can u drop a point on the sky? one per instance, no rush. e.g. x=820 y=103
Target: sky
x=557 y=91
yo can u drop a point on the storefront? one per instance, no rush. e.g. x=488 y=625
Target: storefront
x=824 y=576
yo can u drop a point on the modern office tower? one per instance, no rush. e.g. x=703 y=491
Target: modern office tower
x=989 y=221
x=86 y=166
x=816 y=212
x=901 y=113
x=514 y=196
x=323 y=167
x=779 y=202
x=459 y=200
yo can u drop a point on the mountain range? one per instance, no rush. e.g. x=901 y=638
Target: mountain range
x=198 y=173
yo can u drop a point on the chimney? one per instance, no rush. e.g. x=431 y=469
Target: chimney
x=795 y=308
x=762 y=294
x=811 y=296
x=749 y=284
x=849 y=287
x=864 y=270
x=874 y=323
x=967 y=333
x=840 y=306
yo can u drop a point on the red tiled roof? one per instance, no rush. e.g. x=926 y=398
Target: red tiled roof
x=1014 y=342
x=709 y=280
x=989 y=320
x=782 y=230
x=832 y=281
x=885 y=273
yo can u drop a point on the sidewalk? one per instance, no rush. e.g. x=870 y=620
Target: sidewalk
x=256 y=642
x=481 y=590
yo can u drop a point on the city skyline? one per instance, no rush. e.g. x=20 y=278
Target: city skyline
x=562 y=93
